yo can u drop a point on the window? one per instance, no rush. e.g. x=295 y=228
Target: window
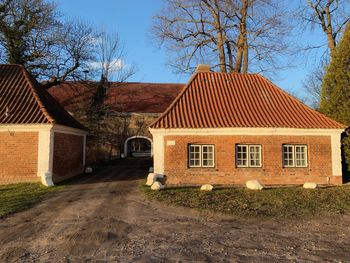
x=201 y=155
x=248 y=155
x=294 y=155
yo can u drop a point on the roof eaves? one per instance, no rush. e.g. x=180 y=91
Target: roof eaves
x=341 y=126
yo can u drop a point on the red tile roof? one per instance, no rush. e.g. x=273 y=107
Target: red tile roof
x=219 y=100
x=122 y=97
x=24 y=101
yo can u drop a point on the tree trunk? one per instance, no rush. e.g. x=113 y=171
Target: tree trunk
x=221 y=50
x=242 y=43
x=331 y=41
x=221 y=40
x=325 y=20
x=230 y=58
x=239 y=54
x=245 y=55
x=329 y=32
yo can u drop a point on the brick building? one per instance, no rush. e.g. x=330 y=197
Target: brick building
x=231 y=128
x=128 y=110
x=39 y=140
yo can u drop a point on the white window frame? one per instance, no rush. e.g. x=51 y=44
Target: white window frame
x=248 y=146
x=201 y=153
x=189 y=155
x=294 y=154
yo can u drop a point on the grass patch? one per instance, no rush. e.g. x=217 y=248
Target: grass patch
x=17 y=197
x=286 y=202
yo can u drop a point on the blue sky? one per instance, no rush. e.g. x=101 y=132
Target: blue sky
x=132 y=20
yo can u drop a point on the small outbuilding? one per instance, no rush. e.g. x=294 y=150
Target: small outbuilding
x=232 y=128
x=39 y=140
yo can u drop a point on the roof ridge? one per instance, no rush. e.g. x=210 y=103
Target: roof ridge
x=33 y=86
x=120 y=82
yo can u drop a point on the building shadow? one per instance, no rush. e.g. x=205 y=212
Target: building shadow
x=128 y=169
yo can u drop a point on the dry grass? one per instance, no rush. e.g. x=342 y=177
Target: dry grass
x=17 y=197
x=287 y=202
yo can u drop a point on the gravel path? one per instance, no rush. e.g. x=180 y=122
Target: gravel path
x=103 y=218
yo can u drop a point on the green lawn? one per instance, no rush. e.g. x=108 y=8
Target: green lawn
x=17 y=197
x=287 y=202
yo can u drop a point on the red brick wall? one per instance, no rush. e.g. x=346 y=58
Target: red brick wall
x=18 y=157
x=67 y=156
x=271 y=173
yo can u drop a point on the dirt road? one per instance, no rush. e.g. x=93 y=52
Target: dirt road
x=104 y=218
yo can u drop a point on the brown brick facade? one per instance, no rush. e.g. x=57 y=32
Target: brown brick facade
x=272 y=172
x=18 y=157
x=67 y=156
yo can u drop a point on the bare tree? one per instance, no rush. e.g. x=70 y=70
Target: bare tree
x=330 y=16
x=228 y=34
x=72 y=53
x=111 y=58
x=26 y=29
x=32 y=34
x=312 y=86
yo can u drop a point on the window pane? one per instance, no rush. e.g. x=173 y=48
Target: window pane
x=208 y=156
x=242 y=159
x=288 y=156
x=301 y=155
x=194 y=155
x=255 y=155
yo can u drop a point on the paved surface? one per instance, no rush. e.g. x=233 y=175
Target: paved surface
x=103 y=218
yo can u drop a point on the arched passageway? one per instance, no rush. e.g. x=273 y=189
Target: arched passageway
x=138 y=146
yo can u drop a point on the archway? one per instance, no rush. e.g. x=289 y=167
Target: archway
x=138 y=146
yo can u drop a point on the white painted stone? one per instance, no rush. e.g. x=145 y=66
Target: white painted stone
x=206 y=187
x=46 y=179
x=150 y=169
x=88 y=170
x=151 y=178
x=309 y=185
x=254 y=185
x=157 y=186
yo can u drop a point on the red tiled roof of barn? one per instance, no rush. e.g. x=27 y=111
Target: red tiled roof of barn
x=220 y=100
x=24 y=101
x=122 y=97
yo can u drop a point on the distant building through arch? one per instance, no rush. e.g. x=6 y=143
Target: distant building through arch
x=141 y=152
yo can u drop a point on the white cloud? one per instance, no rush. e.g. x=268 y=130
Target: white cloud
x=115 y=65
